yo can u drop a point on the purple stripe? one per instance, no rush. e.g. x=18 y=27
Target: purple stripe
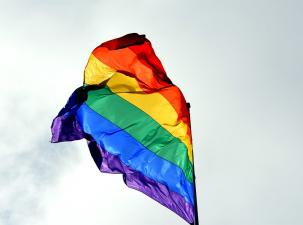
x=110 y=163
x=65 y=127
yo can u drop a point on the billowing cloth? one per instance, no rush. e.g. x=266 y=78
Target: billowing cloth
x=136 y=122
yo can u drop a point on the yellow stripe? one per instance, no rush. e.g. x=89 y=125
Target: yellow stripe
x=96 y=72
x=154 y=104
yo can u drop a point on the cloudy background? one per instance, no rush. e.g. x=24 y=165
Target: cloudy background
x=239 y=64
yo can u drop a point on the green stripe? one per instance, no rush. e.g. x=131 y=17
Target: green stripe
x=141 y=127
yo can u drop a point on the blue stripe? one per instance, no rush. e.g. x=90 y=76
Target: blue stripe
x=132 y=153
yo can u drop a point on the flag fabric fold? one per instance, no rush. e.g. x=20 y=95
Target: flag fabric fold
x=136 y=122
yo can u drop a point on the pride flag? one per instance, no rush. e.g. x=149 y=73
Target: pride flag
x=136 y=122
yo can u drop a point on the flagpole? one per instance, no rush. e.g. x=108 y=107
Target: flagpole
x=196 y=222
x=195 y=197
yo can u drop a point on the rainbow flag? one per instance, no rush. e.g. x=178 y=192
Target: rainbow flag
x=136 y=122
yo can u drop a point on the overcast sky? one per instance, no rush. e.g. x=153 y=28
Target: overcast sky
x=239 y=64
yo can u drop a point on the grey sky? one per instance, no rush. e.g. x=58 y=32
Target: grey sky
x=239 y=64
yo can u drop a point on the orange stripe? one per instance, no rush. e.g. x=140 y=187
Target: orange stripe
x=175 y=97
x=126 y=61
